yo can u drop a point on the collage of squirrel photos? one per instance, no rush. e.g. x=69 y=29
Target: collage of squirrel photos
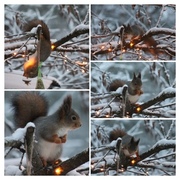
x=90 y=90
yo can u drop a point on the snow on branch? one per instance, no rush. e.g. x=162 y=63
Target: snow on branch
x=155 y=31
x=17 y=138
x=114 y=109
x=159 y=146
x=77 y=31
x=110 y=162
x=169 y=92
x=25 y=137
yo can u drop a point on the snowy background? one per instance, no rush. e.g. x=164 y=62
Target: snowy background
x=69 y=65
x=149 y=131
x=107 y=19
x=155 y=76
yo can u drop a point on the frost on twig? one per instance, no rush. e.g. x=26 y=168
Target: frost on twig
x=114 y=109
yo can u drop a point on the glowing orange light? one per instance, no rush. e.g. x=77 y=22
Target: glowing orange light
x=121 y=170
x=109 y=49
x=58 y=170
x=52 y=47
x=123 y=50
x=101 y=169
x=30 y=63
x=138 y=109
x=57 y=162
x=133 y=161
x=83 y=63
x=97 y=113
x=131 y=44
x=102 y=47
x=92 y=166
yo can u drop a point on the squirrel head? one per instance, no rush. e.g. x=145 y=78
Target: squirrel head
x=132 y=34
x=130 y=145
x=136 y=82
x=69 y=117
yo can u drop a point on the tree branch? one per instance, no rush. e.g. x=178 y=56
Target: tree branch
x=165 y=94
x=79 y=30
x=115 y=108
x=162 y=144
x=73 y=162
x=29 y=146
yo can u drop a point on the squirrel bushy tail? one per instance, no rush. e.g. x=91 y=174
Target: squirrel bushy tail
x=33 y=23
x=127 y=148
x=116 y=133
x=43 y=48
x=28 y=106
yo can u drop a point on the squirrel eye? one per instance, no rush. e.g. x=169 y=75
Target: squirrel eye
x=74 y=118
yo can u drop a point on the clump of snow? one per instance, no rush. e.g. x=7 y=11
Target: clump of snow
x=19 y=134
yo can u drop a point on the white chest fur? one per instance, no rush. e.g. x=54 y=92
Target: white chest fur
x=133 y=98
x=48 y=150
x=61 y=132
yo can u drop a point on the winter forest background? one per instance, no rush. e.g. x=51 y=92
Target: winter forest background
x=69 y=63
x=90 y=58
x=158 y=79
x=156 y=147
x=151 y=34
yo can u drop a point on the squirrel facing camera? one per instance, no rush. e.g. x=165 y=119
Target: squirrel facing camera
x=43 y=47
x=134 y=87
x=51 y=130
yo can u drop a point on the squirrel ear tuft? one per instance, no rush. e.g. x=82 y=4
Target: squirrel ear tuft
x=137 y=142
x=134 y=76
x=67 y=104
x=139 y=75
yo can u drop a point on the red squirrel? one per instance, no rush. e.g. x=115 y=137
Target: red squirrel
x=51 y=130
x=43 y=45
x=134 y=34
x=127 y=149
x=134 y=87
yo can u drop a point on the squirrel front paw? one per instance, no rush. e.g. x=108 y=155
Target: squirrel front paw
x=59 y=140
x=63 y=138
